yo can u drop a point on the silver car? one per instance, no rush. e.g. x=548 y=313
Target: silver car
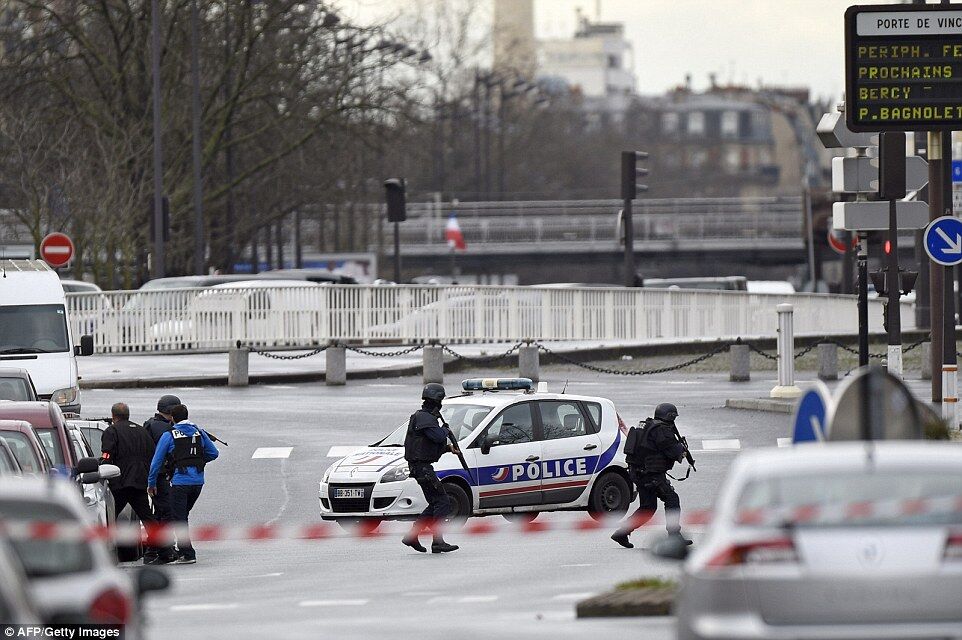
x=835 y=540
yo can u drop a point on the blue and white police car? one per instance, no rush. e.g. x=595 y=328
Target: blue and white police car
x=527 y=451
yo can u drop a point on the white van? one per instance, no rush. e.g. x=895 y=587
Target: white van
x=35 y=334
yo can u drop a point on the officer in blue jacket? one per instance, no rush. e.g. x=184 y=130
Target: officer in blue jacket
x=426 y=441
x=187 y=449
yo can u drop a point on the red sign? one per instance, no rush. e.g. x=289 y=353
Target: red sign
x=836 y=240
x=56 y=249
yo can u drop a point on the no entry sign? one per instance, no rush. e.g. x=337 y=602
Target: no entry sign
x=56 y=249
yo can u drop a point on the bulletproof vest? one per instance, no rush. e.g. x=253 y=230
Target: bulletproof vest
x=188 y=451
x=417 y=446
x=645 y=453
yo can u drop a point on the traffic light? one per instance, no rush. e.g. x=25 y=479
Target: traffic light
x=907 y=280
x=630 y=172
x=395 y=189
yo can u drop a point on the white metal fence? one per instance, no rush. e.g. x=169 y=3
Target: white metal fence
x=290 y=316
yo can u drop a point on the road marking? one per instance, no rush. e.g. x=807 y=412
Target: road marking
x=343 y=452
x=721 y=445
x=333 y=603
x=462 y=599
x=419 y=594
x=577 y=565
x=272 y=452
x=278 y=386
x=384 y=386
x=189 y=389
x=204 y=607
x=571 y=597
x=784 y=442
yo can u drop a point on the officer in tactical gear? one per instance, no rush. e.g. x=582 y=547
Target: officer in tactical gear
x=162 y=423
x=651 y=452
x=426 y=441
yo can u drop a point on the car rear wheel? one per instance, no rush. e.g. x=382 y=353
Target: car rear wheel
x=610 y=495
x=521 y=517
x=460 y=502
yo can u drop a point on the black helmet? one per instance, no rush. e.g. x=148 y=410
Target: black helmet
x=433 y=391
x=166 y=402
x=666 y=411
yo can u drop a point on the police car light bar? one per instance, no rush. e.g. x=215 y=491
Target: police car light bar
x=497 y=384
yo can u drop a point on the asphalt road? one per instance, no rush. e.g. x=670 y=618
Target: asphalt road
x=525 y=585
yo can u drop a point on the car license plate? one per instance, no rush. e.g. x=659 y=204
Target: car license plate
x=349 y=493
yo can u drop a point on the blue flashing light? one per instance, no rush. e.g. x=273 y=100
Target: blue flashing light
x=497 y=384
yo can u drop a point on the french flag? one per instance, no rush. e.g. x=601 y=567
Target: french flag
x=452 y=233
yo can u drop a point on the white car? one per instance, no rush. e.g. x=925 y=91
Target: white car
x=834 y=540
x=72 y=580
x=527 y=451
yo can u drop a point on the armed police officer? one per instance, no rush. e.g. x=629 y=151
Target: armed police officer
x=651 y=452
x=426 y=441
x=162 y=423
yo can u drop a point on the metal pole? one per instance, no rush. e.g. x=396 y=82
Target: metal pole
x=502 y=113
x=894 y=310
x=199 y=261
x=810 y=224
x=863 y=298
x=936 y=273
x=477 y=133
x=158 y=259
x=397 y=252
x=949 y=359
x=298 y=249
x=229 y=235
x=629 y=244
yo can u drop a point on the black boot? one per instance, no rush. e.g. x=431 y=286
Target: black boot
x=411 y=540
x=677 y=535
x=621 y=537
x=440 y=546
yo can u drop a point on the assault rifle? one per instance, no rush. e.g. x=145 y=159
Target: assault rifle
x=684 y=442
x=457 y=451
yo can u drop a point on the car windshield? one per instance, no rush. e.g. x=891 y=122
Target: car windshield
x=34 y=328
x=7 y=466
x=24 y=453
x=50 y=441
x=43 y=558
x=839 y=489
x=15 y=389
x=463 y=418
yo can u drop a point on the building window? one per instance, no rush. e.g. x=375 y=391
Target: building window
x=696 y=123
x=669 y=122
x=614 y=62
x=729 y=124
x=733 y=158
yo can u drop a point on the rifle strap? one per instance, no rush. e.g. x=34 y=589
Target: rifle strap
x=687 y=473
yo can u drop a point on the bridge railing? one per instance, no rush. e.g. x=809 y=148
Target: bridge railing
x=294 y=316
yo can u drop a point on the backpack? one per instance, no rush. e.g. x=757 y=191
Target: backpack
x=636 y=440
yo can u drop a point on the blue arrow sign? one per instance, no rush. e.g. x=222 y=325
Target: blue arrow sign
x=810 y=416
x=943 y=241
x=957 y=171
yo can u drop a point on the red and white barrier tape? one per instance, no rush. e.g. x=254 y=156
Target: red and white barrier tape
x=810 y=514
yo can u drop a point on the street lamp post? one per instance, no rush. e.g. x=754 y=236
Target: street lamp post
x=199 y=247
x=158 y=267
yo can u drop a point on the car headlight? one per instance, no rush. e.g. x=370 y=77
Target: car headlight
x=398 y=473
x=65 y=396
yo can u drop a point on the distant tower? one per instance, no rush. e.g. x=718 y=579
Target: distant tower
x=514 y=44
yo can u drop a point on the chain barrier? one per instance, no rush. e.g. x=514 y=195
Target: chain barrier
x=634 y=372
x=298 y=356
x=385 y=354
x=755 y=349
x=500 y=356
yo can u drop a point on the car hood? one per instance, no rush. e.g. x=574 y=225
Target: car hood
x=371 y=459
x=50 y=371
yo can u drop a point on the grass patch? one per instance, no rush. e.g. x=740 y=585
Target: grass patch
x=647 y=583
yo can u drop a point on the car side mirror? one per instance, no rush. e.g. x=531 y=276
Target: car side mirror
x=88 y=465
x=487 y=442
x=151 y=579
x=86 y=346
x=670 y=548
x=109 y=471
x=92 y=477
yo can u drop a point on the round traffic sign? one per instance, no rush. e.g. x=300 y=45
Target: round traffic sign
x=836 y=240
x=943 y=241
x=56 y=249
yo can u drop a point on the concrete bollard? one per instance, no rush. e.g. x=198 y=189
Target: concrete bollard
x=827 y=361
x=238 y=367
x=739 y=355
x=335 y=374
x=926 y=348
x=433 y=364
x=786 y=354
x=529 y=362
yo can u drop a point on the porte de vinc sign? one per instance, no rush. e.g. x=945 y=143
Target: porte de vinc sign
x=903 y=67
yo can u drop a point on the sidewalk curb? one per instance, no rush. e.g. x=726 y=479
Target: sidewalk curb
x=633 y=602
x=761 y=404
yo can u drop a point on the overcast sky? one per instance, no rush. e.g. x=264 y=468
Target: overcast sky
x=784 y=42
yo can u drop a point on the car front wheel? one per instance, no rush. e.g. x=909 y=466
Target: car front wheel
x=610 y=495
x=460 y=502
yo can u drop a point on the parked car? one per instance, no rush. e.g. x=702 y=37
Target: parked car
x=79 y=286
x=97 y=495
x=9 y=465
x=16 y=384
x=877 y=558
x=17 y=606
x=26 y=446
x=48 y=420
x=320 y=276
x=73 y=580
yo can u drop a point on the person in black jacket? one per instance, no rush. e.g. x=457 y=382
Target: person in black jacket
x=161 y=423
x=658 y=449
x=129 y=446
x=426 y=441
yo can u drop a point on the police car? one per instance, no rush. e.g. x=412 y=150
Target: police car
x=527 y=451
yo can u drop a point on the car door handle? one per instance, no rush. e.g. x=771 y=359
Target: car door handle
x=532 y=458
x=589 y=447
